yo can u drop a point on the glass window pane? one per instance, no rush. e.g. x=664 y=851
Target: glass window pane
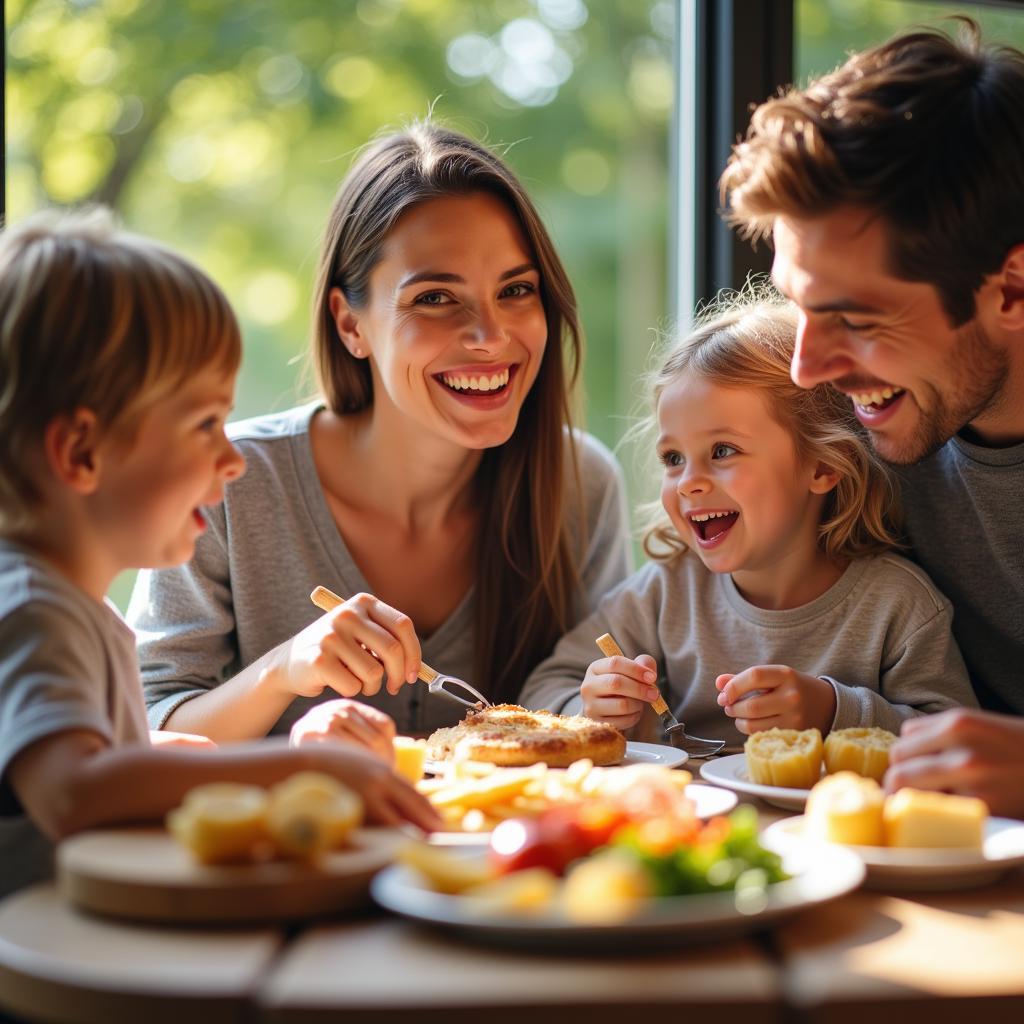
x=827 y=30
x=224 y=130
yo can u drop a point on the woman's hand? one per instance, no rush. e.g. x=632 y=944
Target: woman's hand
x=166 y=738
x=776 y=697
x=350 y=649
x=347 y=721
x=616 y=690
x=974 y=753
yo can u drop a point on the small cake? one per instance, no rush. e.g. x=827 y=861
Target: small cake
x=846 y=808
x=410 y=756
x=864 y=751
x=311 y=813
x=784 y=757
x=914 y=817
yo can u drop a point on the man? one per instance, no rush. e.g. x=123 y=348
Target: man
x=893 y=189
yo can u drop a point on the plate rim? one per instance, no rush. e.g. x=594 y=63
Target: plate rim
x=676 y=759
x=900 y=861
x=838 y=873
x=729 y=779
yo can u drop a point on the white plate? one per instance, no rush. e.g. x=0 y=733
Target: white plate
x=709 y=801
x=731 y=771
x=636 y=753
x=903 y=868
x=819 y=875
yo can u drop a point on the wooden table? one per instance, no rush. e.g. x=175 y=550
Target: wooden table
x=869 y=958
x=57 y=964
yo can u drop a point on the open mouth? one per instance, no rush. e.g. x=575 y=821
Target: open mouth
x=876 y=400
x=712 y=526
x=477 y=384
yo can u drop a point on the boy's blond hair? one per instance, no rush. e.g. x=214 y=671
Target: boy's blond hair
x=93 y=317
x=746 y=341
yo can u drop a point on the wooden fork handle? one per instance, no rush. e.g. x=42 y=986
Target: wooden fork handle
x=610 y=649
x=327 y=600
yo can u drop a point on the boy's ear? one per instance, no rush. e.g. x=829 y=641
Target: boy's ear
x=1011 y=290
x=825 y=479
x=346 y=321
x=71 y=443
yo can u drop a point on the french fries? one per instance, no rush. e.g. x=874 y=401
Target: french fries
x=472 y=796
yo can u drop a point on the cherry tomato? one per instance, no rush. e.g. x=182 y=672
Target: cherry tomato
x=553 y=840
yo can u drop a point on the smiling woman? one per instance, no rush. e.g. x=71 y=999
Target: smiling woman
x=439 y=473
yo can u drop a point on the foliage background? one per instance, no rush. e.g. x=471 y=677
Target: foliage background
x=224 y=129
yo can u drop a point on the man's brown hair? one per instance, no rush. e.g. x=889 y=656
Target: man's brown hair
x=925 y=132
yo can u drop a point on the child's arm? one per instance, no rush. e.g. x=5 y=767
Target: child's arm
x=73 y=780
x=613 y=689
x=924 y=674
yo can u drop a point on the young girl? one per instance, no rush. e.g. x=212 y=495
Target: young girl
x=773 y=598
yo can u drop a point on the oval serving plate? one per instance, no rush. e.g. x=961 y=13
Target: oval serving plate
x=819 y=875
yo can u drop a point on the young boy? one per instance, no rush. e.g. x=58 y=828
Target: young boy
x=117 y=368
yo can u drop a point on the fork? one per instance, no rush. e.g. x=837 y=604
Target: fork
x=326 y=600
x=675 y=731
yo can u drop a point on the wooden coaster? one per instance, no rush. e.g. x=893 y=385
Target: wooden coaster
x=145 y=875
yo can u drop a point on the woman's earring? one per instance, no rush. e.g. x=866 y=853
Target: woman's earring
x=357 y=352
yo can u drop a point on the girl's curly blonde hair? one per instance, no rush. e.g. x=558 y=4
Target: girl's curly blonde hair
x=746 y=340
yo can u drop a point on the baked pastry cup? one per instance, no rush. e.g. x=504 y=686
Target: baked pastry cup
x=784 y=757
x=864 y=751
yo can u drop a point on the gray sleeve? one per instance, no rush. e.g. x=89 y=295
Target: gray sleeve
x=925 y=674
x=53 y=677
x=608 y=557
x=184 y=624
x=630 y=612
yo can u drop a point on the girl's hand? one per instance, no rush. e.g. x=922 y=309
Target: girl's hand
x=347 y=721
x=166 y=738
x=616 y=690
x=350 y=649
x=776 y=697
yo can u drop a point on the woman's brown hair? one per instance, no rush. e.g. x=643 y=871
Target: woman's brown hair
x=526 y=576
x=746 y=341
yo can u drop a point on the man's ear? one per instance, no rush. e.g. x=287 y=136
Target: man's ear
x=346 y=321
x=71 y=443
x=1011 y=290
x=825 y=479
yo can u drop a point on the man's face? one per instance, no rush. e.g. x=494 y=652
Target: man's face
x=914 y=380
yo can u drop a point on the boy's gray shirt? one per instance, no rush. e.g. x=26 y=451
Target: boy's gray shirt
x=880 y=635
x=66 y=662
x=273 y=539
x=965 y=524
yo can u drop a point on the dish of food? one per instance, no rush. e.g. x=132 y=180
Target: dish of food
x=731 y=772
x=816 y=877
x=708 y=801
x=918 y=868
x=512 y=736
x=635 y=753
